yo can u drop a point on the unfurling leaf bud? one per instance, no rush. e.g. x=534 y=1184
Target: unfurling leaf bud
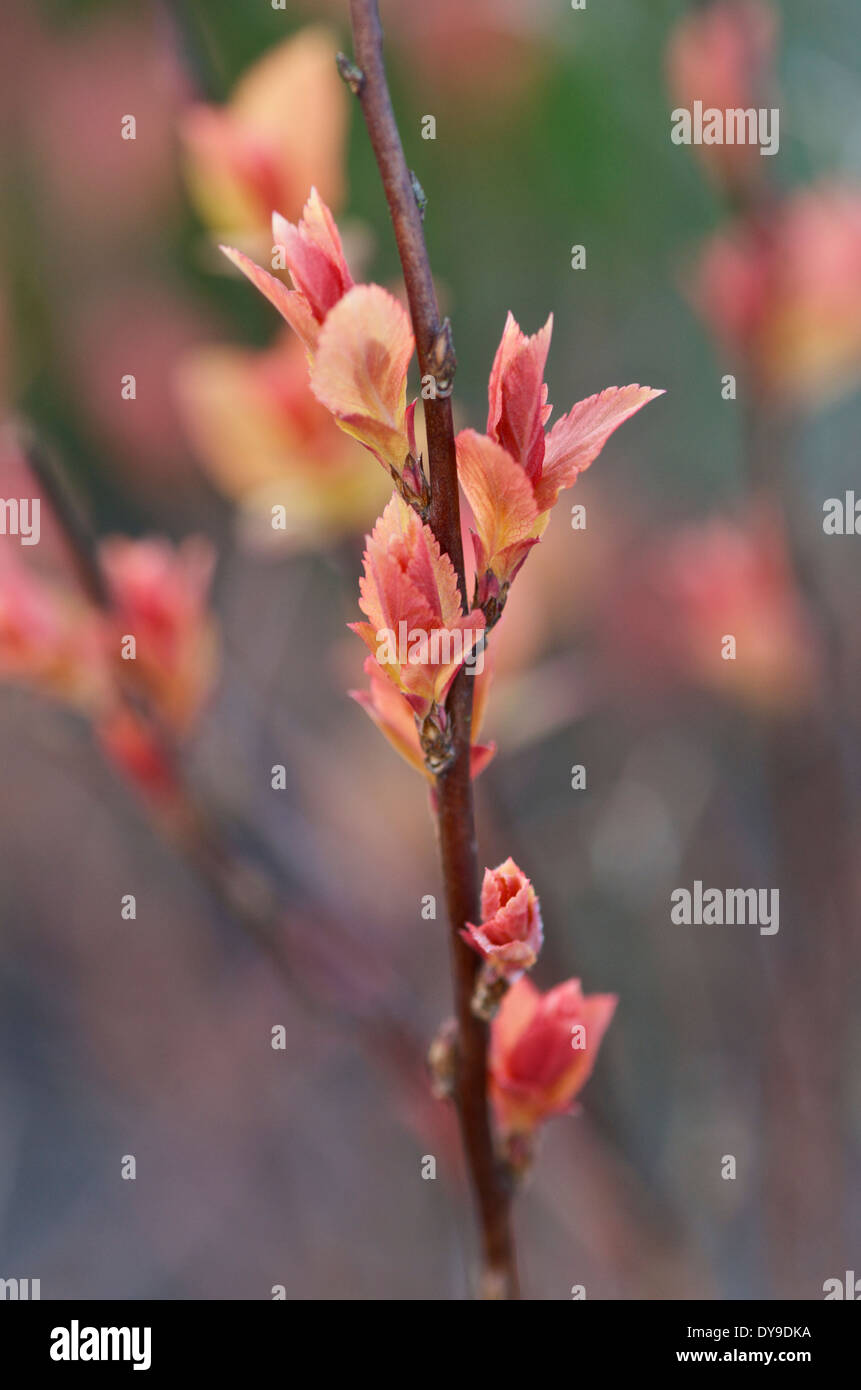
x=542 y=1051
x=509 y=937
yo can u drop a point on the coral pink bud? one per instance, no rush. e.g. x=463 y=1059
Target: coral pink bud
x=357 y=338
x=417 y=630
x=517 y=394
x=314 y=256
x=542 y=1051
x=513 y=475
x=510 y=935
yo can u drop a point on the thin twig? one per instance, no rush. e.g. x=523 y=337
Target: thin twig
x=75 y=526
x=456 y=822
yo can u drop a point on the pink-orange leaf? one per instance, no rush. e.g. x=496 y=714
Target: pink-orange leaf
x=578 y=437
x=498 y=491
x=314 y=255
x=416 y=628
x=360 y=371
x=517 y=396
x=290 y=304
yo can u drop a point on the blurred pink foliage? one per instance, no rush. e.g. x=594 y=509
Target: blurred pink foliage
x=667 y=618
x=267 y=442
x=283 y=129
x=722 y=55
x=159 y=593
x=784 y=293
x=140 y=698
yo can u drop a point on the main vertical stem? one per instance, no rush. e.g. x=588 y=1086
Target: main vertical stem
x=456 y=820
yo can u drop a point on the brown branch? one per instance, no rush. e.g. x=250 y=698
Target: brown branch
x=456 y=823
x=74 y=523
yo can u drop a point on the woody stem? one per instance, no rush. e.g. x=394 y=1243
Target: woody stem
x=456 y=821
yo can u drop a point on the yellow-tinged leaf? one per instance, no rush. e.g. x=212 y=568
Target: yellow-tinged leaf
x=498 y=491
x=360 y=370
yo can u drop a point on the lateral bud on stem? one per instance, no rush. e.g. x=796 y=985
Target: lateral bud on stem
x=490 y=990
x=490 y=596
x=442 y=359
x=419 y=194
x=351 y=73
x=435 y=736
x=517 y=1155
x=442 y=1061
x=413 y=486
